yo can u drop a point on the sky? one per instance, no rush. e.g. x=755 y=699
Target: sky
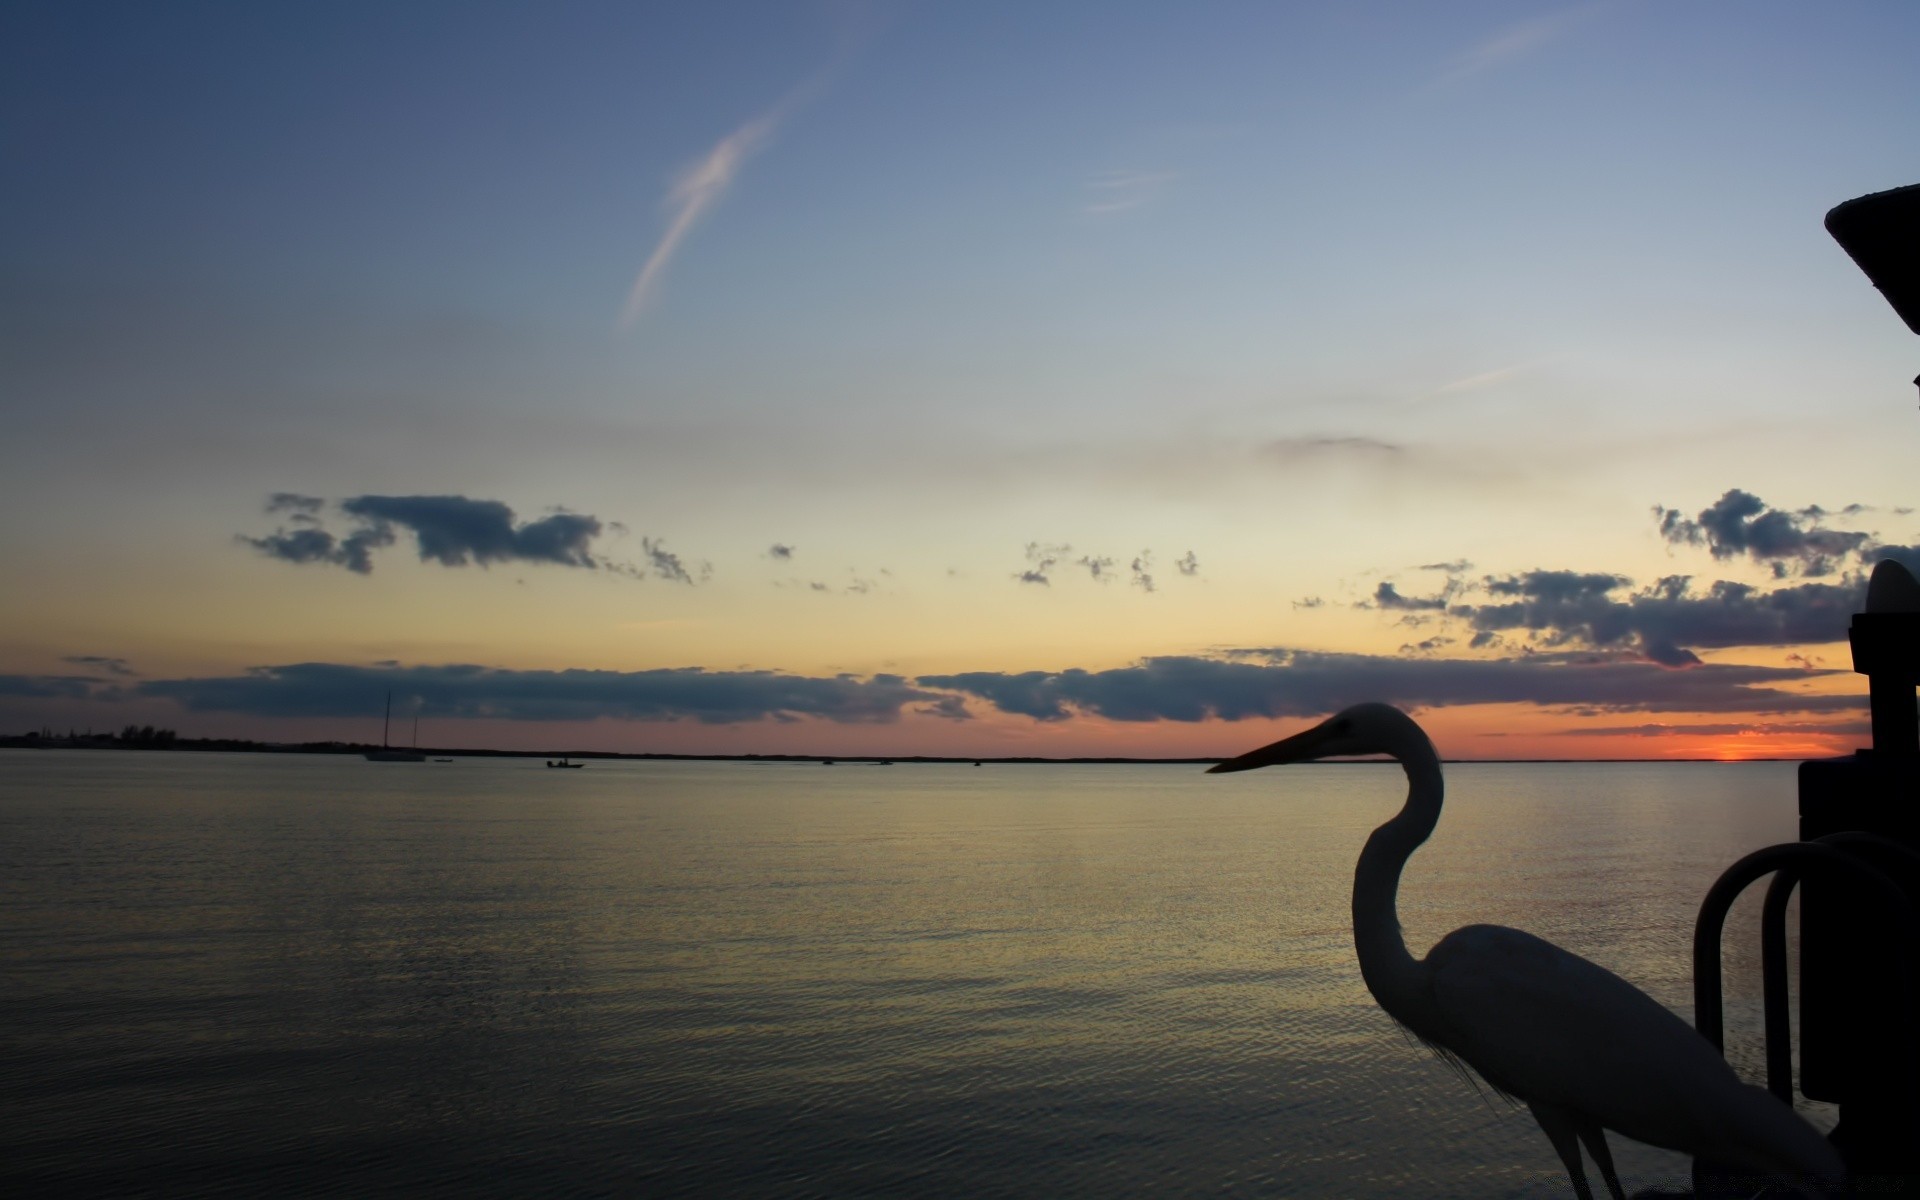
x=966 y=379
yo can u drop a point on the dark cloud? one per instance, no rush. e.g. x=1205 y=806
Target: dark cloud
x=454 y=531
x=952 y=708
x=1740 y=523
x=107 y=663
x=692 y=694
x=668 y=565
x=1559 y=587
x=314 y=545
x=54 y=687
x=1142 y=568
x=1100 y=568
x=1906 y=556
x=1296 y=683
x=1667 y=621
x=1386 y=596
x=1309 y=602
x=780 y=551
x=1042 y=557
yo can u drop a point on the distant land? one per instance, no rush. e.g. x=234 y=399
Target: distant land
x=166 y=739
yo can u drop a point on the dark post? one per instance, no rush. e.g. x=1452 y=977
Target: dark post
x=1852 y=1013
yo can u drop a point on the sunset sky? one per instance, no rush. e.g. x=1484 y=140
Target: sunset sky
x=979 y=379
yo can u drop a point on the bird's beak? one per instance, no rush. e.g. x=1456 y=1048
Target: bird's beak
x=1317 y=742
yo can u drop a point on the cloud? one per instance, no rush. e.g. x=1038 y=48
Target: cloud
x=1388 y=597
x=1042 y=558
x=1100 y=568
x=1667 y=621
x=1288 y=450
x=55 y=687
x=780 y=551
x=1298 y=683
x=1233 y=685
x=702 y=184
x=668 y=565
x=697 y=189
x=312 y=545
x=107 y=663
x=1118 y=191
x=1513 y=43
x=1142 y=568
x=1740 y=523
x=1473 y=383
x=453 y=531
x=495 y=693
x=296 y=506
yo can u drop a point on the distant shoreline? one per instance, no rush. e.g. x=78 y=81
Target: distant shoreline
x=240 y=746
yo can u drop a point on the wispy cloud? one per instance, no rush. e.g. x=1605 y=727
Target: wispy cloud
x=1294 y=449
x=1118 y=191
x=1514 y=42
x=1473 y=383
x=701 y=185
x=698 y=189
x=103 y=662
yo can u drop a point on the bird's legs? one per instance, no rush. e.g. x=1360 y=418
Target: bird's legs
x=1595 y=1139
x=1563 y=1130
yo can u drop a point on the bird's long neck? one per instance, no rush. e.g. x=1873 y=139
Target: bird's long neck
x=1390 y=971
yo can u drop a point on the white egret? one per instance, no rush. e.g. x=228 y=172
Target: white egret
x=1585 y=1050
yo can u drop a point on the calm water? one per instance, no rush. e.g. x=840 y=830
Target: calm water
x=251 y=974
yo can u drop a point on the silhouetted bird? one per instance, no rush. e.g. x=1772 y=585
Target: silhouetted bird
x=1585 y=1050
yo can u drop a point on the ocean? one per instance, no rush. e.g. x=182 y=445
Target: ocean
x=250 y=974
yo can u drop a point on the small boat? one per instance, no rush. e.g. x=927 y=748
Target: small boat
x=388 y=753
x=564 y=765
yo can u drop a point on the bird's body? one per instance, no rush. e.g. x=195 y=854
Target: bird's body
x=1585 y=1050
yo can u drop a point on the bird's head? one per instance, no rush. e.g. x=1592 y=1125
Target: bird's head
x=1363 y=729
